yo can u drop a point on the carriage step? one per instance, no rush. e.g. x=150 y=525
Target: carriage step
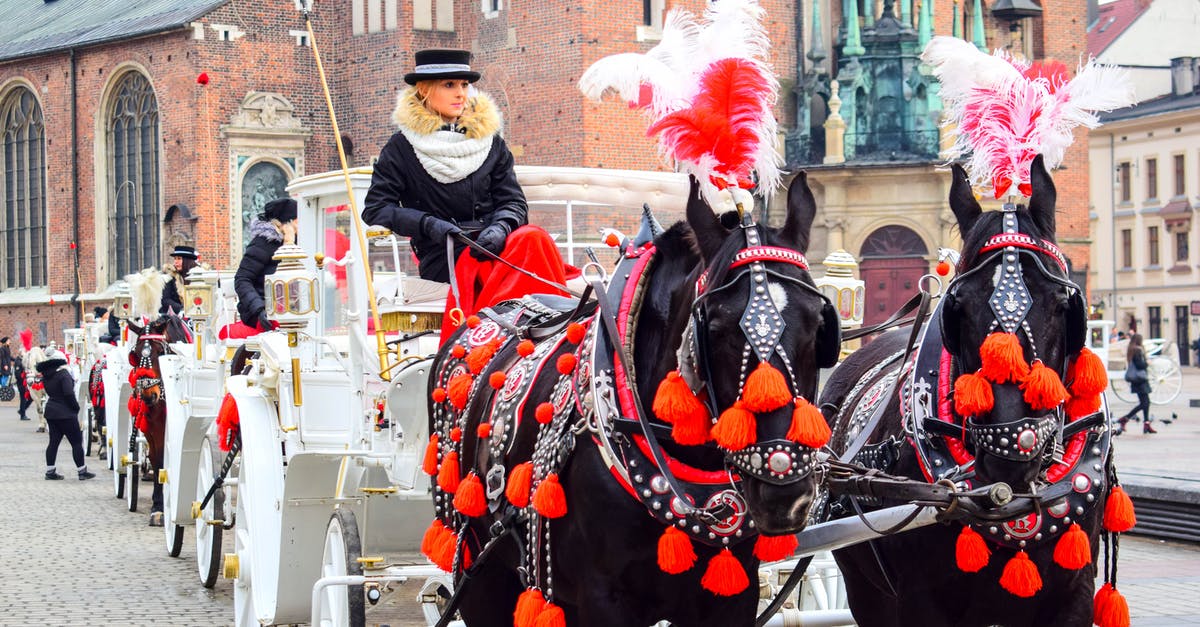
x=388 y=490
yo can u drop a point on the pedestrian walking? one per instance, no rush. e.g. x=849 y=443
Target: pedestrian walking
x=22 y=375
x=6 y=361
x=1138 y=376
x=62 y=414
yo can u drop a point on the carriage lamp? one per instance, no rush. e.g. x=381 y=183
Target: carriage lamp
x=841 y=287
x=198 y=299
x=293 y=290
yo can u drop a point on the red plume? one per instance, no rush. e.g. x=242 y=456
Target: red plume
x=26 y=339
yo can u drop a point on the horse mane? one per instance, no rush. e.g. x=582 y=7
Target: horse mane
x=988 y=224
x=146 y=288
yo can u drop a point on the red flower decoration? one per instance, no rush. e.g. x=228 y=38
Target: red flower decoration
x=203 y=78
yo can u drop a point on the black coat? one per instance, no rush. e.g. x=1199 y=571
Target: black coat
x=253 y=270
x=171 y=298
x=402 y=193
x=6 y=359
x=61 y=403
x=1139 y=360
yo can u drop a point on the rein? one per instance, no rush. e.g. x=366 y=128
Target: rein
x=470 y=243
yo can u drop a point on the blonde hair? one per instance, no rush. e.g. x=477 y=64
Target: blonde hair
x=423 y=88
x=286 y=229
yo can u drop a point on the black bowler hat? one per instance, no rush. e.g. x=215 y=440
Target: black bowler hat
x=441 y=63
x=282 y=209
x=187 y=252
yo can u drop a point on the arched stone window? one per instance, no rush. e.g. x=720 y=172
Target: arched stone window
x=23 y=190
x=133 y=176
x=263 y=182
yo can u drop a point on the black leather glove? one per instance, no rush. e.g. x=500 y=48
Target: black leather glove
x=437 y=229
x=491 y=238
x=264 y=323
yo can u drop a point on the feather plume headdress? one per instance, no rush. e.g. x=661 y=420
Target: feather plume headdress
x=1009 y=111
x=709 y=92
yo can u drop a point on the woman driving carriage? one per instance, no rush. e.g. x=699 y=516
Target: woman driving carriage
x=276 y=224
x=183 y=259
x=447 y=172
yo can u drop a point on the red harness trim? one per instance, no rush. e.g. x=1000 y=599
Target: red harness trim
x=152 y=336
x=624 y=394
x=1021 y=240
x=759 y=253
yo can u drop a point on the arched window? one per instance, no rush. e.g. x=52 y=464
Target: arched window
x=133 y=185
x=263 y=182
x=23 y=188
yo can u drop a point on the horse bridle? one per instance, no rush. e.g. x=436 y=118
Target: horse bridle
x=144 y=361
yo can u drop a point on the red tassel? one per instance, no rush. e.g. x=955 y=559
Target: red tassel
x=529 y=604
x=544 y=413
x=675 y=403
x=459 y=390
x=469 y=499
x=1043 y=389
x=496 y=380
x=484 y=430
x=442 y=550
x=1111 y=609
x=1073 y=550
x=432 y=541
x=808 y=426
x=519 y=481
x=565 y=363
x=1078 y=406
x=575 y=332
x=430 y=465
x=766 y=390
x=775 y=548
x=549 y=499
x=473 y=321
x=1003 y=358
x=1118 y=511
x=458 y=351
x=479 y=356
x=448 y=473
x=227 y=422
x=456 y=434
x=736 y=428
x=725 y=575
x=675 y=552
x=1020 y=576
x=438 y=395
x=551 y=616
x=971 y=552
x=1087 y=375
x=973 y=395
x=525 y=348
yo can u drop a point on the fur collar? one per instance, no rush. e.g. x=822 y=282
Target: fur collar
x=481 y=118
x=265 y=230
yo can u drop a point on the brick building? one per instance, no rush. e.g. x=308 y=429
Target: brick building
x=114 y=143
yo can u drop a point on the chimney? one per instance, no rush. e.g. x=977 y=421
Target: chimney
x=1184 y=75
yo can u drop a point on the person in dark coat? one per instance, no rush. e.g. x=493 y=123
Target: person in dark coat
x=1135 y=355
x=20 y=373
x=276 y=224
x=448 y=172
x=6 y=361
x=183 y=259
x=62 y=414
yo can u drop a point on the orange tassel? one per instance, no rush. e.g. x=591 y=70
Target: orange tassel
x=1113 y=610
x=808 y=426
x=693 y=430
x=442 y=550
x=551 y=616
x=1087 y=375
x=1079 y=406
x=565 y=363
x=519 y=481
x=473 y=321
x=675 y=552
x=430 y=465
x=525 y=348
x=484 y=430
x=1020 y=576
x=971 y=552
x=469 y=499
x=725 y=575
x=736 y=428
x=479 y=356
x=448 y=474
x=575 y=332
x=544 y=413
x=549 y=499
x=1073 y=550
x=458 y=351
x=438 y=395
x=766 y=389
x=459 y=390
x=528 y=605
x=456 y=434
x=973 y=395
x=1043 y=389
x=775 y=548
x=432 y=535
x=674 y=400
x=1118 y=511
x=496 y=380
x=1003 y=358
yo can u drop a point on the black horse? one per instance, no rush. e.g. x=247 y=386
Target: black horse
x=539 y=444
x=983 y=400
x=147 y=402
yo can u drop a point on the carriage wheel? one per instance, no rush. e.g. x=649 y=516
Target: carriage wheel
x=342 y=605
x=174 y=539
x=89 y=424
x=1166 y=380
x=1120 y=389
x=208 y=536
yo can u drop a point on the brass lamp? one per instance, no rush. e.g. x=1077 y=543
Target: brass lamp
x=292 y=290
x=842 y=288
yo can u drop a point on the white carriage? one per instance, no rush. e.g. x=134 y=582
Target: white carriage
x=1162 y=360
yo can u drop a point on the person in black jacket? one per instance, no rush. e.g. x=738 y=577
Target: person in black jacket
x=273 y=226
x=62 y=414
x=1135 y=356
x=6 y=361
x=183 y=259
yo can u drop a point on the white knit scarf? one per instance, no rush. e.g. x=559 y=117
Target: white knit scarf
x=448 y=156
